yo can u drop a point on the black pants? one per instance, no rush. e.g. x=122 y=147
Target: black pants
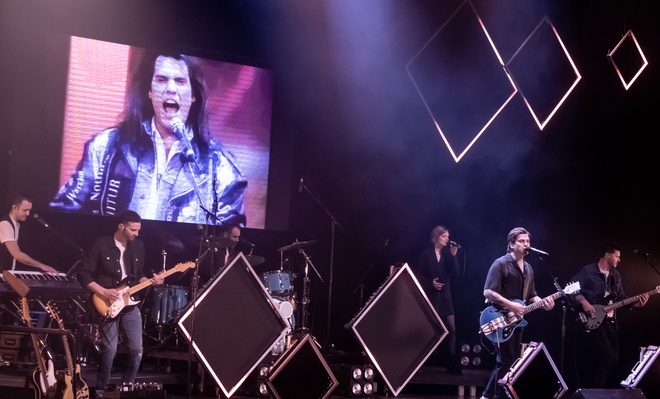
x=507 y=353
x=597 y=356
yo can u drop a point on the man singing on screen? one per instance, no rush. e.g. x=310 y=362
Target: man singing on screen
x=159 y=161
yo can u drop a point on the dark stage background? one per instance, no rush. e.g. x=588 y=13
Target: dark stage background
x=348 y=119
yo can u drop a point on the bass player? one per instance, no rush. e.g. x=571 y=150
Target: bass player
x=597 y=350
x=108 y=263
x=510 y=277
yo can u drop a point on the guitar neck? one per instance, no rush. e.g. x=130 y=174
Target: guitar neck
x=628 y=301
x=67 y=349
x=149 y=282
x=41 y=363
x=539 y=304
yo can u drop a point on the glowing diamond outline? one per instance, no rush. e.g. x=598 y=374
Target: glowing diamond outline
x=540 y=124
x=641 y=53
x=428 y=109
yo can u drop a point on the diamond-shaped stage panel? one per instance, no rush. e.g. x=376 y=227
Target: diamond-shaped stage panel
x=398 y=328
x=631 y=60
x=460 y=78
x=232 y=325
x=301 y=372
x=543 y=72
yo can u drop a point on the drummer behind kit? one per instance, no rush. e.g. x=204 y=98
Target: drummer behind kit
x=165 y=303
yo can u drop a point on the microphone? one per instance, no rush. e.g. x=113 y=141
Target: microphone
x=537 y=251
x=39 y=219
x=301 y=184
x=246 y=242
x=179 y=130
x=642 y=253
x=454 y=244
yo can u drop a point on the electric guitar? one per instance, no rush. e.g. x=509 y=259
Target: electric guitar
x=72 y=374
x=107 y=309
x=498 y=324
x=45 y=383
x=593 y=322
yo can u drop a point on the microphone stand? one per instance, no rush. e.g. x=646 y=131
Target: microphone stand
x=195 y=279
x=70 y=242
x=305 y=298
x=647 y=258
x=360 y=285
x=555 y=282
x=333 y=224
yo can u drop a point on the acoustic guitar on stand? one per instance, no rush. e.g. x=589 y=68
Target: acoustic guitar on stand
x=107 y=309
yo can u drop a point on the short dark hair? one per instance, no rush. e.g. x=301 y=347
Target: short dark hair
x=129 y=217
x=228 y=227
x=513 y=234
x=609 y=247
x=18 y=198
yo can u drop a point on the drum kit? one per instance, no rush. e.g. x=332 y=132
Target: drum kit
x=164 y=304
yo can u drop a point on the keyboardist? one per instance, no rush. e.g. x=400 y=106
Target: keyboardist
x=10 y=252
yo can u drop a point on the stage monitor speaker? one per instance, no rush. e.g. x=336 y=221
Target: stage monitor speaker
x=301 y=372
x=398 y=328
x=608 y=394
x=232 y=325
x=645 y=375
x=534 y=375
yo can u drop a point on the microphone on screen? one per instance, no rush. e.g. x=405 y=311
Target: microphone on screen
x=179 y=130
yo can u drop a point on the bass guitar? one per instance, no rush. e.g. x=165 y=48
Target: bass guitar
x=72 y=374
x=107 y=309
x=593 y=322
x=498 y=324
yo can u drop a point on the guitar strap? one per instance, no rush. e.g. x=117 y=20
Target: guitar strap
x=527 y=282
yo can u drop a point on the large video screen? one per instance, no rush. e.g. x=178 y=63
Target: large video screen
x=173 y=137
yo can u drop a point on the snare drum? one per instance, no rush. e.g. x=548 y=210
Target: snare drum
x=165 y=303
x=277 y=282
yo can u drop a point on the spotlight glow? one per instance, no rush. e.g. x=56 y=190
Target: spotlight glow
x=368 y=373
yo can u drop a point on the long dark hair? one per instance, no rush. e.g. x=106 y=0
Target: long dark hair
x=139 y=110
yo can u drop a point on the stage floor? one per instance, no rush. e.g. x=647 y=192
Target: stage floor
x=428 y=383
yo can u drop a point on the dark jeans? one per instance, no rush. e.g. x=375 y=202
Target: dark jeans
x=128 y=321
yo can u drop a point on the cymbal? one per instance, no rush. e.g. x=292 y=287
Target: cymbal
x=297 y=244
x=255 y=260
x=170 y=242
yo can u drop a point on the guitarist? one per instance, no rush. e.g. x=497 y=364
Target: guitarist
x=510 y=277
x=110 y=260
x=597 y=350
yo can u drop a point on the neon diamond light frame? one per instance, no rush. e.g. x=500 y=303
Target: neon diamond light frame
x=458 y=157
x=578 y=77
x=645 y=63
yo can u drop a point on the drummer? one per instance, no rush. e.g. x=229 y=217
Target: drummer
x=223 y=250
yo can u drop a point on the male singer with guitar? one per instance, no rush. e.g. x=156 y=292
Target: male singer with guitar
x=598 y=349
x=111 y=259
x=510 y=277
